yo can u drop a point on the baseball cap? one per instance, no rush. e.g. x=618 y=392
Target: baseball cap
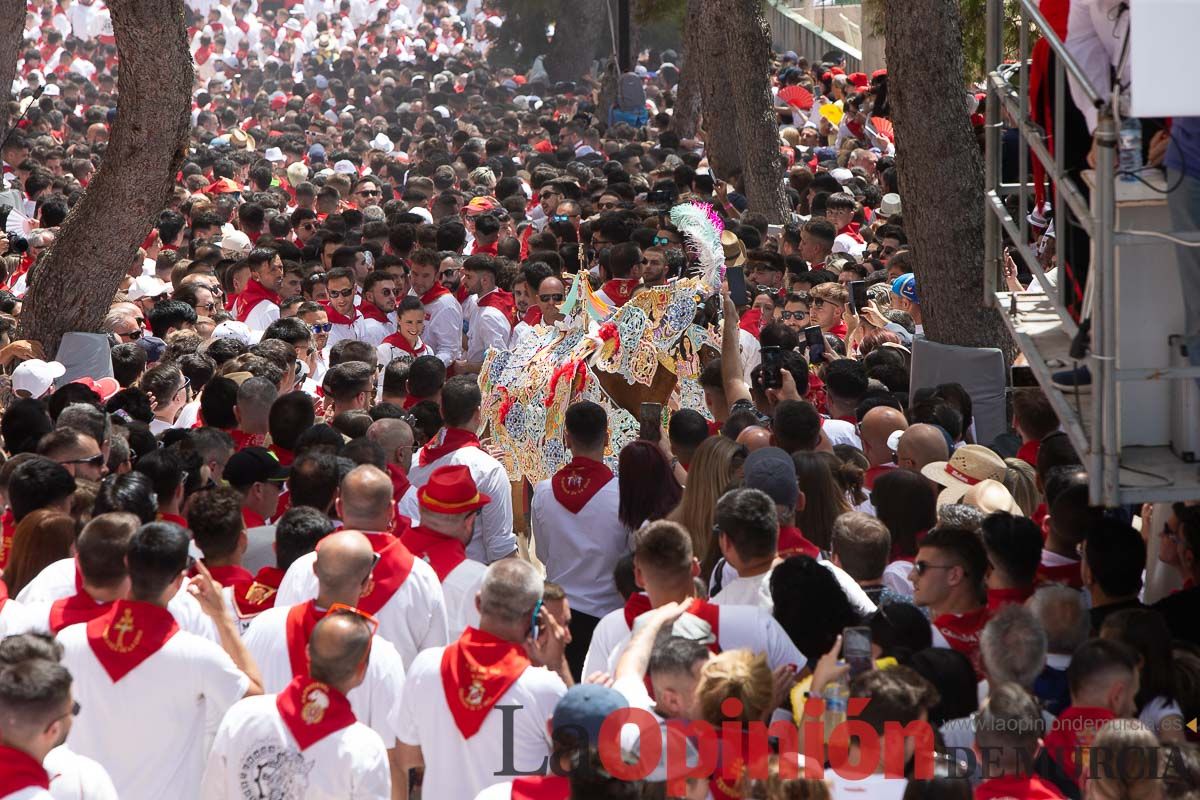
x=970 y=464
x=153 y=346
x=105 y=387
x=584 y=708
x=345 y=167
x=906 y=286
x=235 y=242
x=274 y=155
x=254 y=465
x=36 y=376
x=316 y=152
x=232 y=329
x=772 y=471
x=147 y=286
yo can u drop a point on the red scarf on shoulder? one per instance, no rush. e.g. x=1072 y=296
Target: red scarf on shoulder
x=8 y=526
x=251 y=296
x=1017 y=788
x=476 y=672
x=619 y=290
x=19 y=770
x=446 y=442
x=254 y=596
x=336 y=317
x=372 y=311
x=503 y=302
x=312 y=710
x=392 y=570
x=75 y=609
x=435 y=291
x=578 y=482
x=398 y=341
x=541 y=787
x=298 y=627
x=443 y=553
x=127 y=634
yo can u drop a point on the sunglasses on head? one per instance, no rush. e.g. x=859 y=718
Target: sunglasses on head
x=341 y=292
x=342 y=608
x=321 y=327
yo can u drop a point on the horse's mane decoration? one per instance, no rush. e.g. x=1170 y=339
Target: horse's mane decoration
x=648 y=350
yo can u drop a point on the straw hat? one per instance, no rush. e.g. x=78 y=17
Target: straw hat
x=990 y=496
x=971 y=464
x=735 y=249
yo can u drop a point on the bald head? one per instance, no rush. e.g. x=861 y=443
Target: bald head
x=396 y=439
x=754 y=437
x=344 y=561
x=337 y=649
x=878 y=424
x=365 y=499
x=920 y=445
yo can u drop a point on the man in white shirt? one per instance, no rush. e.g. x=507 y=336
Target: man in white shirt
x=378 y=302
x=306 y=741
x=748 y=533
x=258 y=304
x=457 y=444
x=404 y=592
x=576 y=532
x=14 y=617
x=458 y=719
x=443 y=314
x=495 y=312
x=345 y=318
x=450 y=503
x=37 y=708
x=147 y=687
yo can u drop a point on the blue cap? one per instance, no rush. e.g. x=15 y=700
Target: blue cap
x=584 y=707
x=906 y=287
x=316 y=152
x=825 y=154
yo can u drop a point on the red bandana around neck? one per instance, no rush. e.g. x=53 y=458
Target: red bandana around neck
x=338 y=318
x=390 y=573
x=254 y=596
x=1073 y=733
x=372 y=311
x=962 y=633
x=446 y=442
x=251 y=296
x=229 y=574
x=577 y=483
x=619 y=290
x=541 y=787
x=792 y=542
x=8 y=526
x=443 y=553
x=19 y=770
x=637 y=604
x=312 y=710
x=503 y=302
x=243 y=439
x=534 y=315
x=75 y=609
x=435 y=291
x=400 y=482
x=1017 y=788
x=282 y=454
x=476 y=672
x=298 y=626
x=129 y=633
x=398 y=341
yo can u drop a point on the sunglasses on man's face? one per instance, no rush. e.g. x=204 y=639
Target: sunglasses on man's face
x=95 y=461
x=371 y=193
x=134 y=334
x=308 y=226
x=341 y=292
x=662 y=241
x=321 y=327
x=792 y=315
x=551 y=298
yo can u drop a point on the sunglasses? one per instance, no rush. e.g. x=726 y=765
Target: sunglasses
x=548 y=195
x=187 y=382
x=606 y=206
x=534 y=628
x=921 y=567
x=341 y=292
x=551 y=298
x=342 y=608
x=388 y=292
x=321 y=328
x=308 y=226
x=371 y=193
x=793 y=314
x=135 y=335
x=96 y=460
x=208 y=306
x=660 y=241
x=818 y=303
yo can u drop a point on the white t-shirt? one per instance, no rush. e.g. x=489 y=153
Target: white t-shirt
x=443 y=328
x=74 y=777
x=456 y=767
x=148 y=729
x=256 y=756
x=412 y=619
x=376 y=702
x=460 y=589
x=494 y=538
x=262 y=315
x=14 y=618
x=488 y=328
x=752 y=591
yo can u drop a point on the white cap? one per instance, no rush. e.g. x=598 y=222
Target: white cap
x=293 y=24
x=345 y=167
x=235 y=242
x=297 y=173
x=890 y=204
x=382 y=143
x=274 y=154
x=51 y=90
x=232 y=329
x=147 y=286
x=841 y=174
x=36 y=376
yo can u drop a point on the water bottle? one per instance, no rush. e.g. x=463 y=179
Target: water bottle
x=1129 y=149
x=837 y=699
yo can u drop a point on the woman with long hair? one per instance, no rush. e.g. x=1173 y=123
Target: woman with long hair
x=1146 y=632
x=713 y=470
x=648 y=488
x=824 y=498
x=41 y=538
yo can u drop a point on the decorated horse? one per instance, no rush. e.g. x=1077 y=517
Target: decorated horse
x=648 y=350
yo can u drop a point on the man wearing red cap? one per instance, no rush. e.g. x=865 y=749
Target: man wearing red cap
x=450 y=504
x=469 y=706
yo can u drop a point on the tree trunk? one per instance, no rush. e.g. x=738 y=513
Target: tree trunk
x=12 y=24
x=686 y=117
x=577 y=30
x=736 y=100
x=940 y=171
x=72 y=286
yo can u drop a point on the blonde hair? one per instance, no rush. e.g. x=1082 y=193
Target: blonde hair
x=1021 y=481
x=711 y=472
x=1133 y=778
x=739 y=674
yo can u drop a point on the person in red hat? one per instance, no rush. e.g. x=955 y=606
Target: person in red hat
x=450 y=503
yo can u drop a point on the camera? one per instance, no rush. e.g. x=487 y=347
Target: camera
x=17 y=244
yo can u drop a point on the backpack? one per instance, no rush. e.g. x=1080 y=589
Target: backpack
x=631 y=94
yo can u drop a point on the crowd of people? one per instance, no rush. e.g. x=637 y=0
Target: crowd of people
x=259 y=546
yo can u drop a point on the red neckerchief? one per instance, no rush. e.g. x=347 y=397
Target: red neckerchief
x=851 y=230
x=1067 y=574
x=202 y=54
x=503 y=302
x=872 y=474
x=297 y=627
x=533 y=315
x=1028 y=452
x=336 y=317
x=462 y=292
x=838 y=330
x=391 y=571
x=619 y=290
x=793 y=543
x=127 y=634
x=487 y=249
x=1075 y=728
x=400 y=482
x=282 y=454
x=243 y=439
x=999 y=598
x=252 y=519
x=72 y=610
x=435 y=291
x=411 y=400
x=476 y=672
x=398 y=341
x=446 y=442
x=443 y=553
x=1017 y=787
x=254 y=596
x=312 y=710
x=166 y=516
x=962 y=633
x=577 y=483
x=714 y=427
x=226 y=575
x=637 y=604
x=19 y=770
x=751 y=322
x=8 y=526
x=251 y=296
x=1039 y=516
x=541 y=787
x=372 y=311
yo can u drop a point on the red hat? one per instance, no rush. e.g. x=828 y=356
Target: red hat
x=105 y=387
x=544 y=146
x=451 y=490
x=879 y=73
x=859 y=79
x=837 y=70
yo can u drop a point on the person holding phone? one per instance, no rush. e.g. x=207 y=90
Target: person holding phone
x=827 y=301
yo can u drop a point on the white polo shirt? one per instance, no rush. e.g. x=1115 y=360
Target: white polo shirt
x=412 y=619
x=460 y=588
x=255 y=755
x=148 y=729
x=494 y=538
x=74 y=777
x=459 y=768
x=376 y=702
x=444 y=328
x=488 y=328
x=580 y=550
